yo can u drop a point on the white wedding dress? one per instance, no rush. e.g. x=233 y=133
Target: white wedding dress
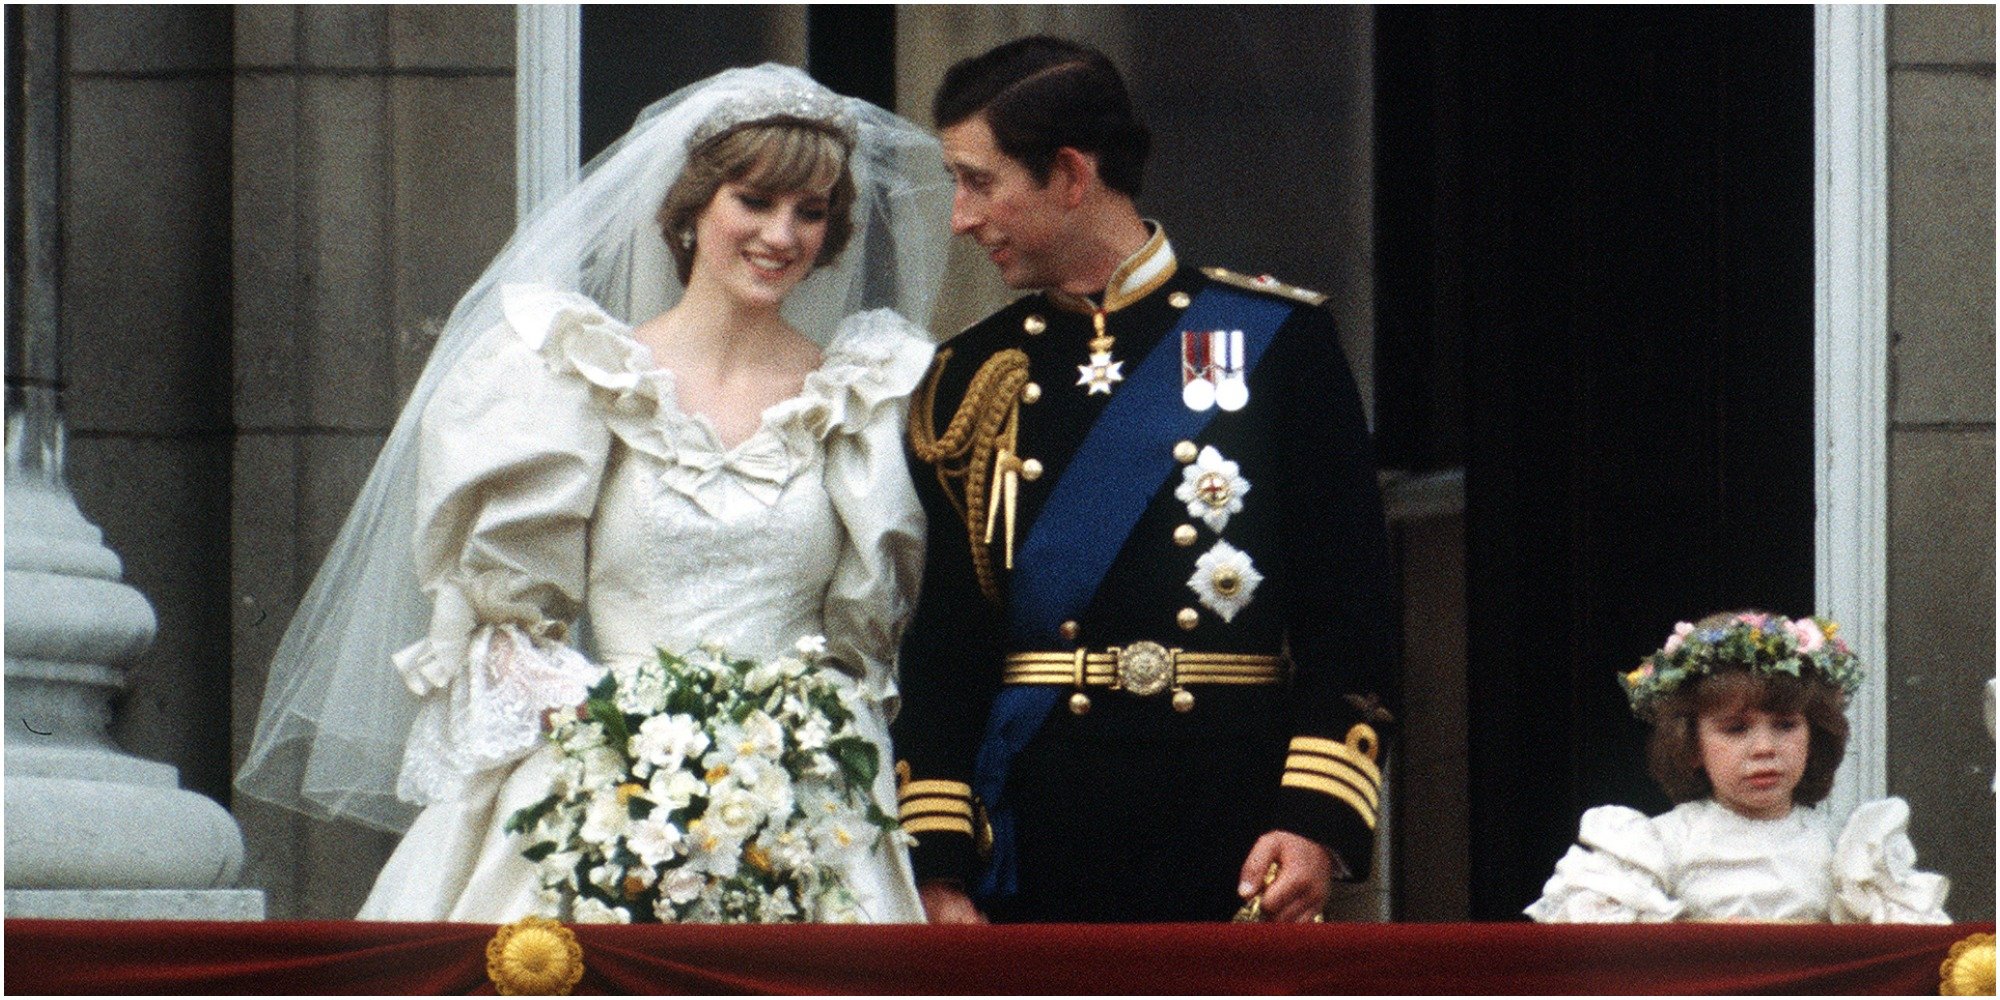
x=1700 y=861
x=559 y=476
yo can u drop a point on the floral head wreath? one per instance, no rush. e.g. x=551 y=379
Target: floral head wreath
x=1766 y=644
x=816 y=107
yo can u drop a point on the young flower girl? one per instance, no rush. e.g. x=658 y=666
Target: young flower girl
x=1748 y=730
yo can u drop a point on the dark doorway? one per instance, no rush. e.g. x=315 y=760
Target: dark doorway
x=1595 y=293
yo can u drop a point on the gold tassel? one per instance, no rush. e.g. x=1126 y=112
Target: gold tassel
x=975 y=457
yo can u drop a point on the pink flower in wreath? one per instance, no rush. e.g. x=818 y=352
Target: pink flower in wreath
x=1681 y=631
x=1754 y=621
x=1811 y=639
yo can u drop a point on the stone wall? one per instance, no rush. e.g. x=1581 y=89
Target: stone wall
x=1941 y=445
x=373 y=179
x=145 y=332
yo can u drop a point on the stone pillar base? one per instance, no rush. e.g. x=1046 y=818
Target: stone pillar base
x=135 y=904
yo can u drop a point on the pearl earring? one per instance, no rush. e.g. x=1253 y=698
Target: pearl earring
x=687 y=239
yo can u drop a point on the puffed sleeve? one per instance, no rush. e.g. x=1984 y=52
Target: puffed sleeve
x=1617 y=873
x=1875 y=876
x=871 y=366
x=512 y=452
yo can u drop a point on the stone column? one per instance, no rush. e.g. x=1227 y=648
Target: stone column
x=92 y=832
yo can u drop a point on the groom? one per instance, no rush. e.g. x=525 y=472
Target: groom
x=1142 y=672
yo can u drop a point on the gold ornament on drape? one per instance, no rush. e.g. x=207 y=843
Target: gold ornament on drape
x=534 y=956
x=1967 y=971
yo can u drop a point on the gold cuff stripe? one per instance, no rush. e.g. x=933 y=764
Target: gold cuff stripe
x=1313 y=782
x=937 y=824
x=1345 y=776
x=936 y=806
x=1333 y=769
x=949 y=789
x=1330 y=748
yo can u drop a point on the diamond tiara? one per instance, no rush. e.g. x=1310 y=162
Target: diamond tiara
x=817 y=106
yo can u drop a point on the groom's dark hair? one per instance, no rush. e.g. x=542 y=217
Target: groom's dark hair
x=1040 y=94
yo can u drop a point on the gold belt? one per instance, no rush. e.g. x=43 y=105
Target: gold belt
x=1142 y=668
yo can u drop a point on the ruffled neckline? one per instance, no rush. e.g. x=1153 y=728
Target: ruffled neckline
x=874 y=358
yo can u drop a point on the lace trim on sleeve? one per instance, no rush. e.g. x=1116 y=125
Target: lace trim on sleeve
x=492 y=714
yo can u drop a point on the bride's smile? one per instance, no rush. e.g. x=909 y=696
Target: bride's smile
x=757 y=246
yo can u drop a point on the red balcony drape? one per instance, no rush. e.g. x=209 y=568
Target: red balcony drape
x=59 y=956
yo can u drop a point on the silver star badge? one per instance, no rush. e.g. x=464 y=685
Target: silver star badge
x=1100 y=373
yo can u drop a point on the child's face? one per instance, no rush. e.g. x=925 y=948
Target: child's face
x=1754 y=758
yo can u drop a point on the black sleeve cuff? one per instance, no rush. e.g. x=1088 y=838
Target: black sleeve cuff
x=1332 y=792
x=941 y=818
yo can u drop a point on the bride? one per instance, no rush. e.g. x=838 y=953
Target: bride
x=669 y=413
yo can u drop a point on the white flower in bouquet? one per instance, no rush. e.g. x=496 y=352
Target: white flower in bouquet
x=665 y=741
x=701 y=787
x=682 y=885
x=768 y=786
x=715 y=853
x=735 y=812
x=791 y=851
x=762 y=736
x=605 y=819
x=643 y=692
x=590 y=911
x=603 y=766
x=559 y=866
x=655 y=840
x=813 y=734
x=675 y=789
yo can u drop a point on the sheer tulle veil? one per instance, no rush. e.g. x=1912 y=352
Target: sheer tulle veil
x=331 y=729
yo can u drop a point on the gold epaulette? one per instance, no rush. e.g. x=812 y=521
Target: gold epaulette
x=1264 y=283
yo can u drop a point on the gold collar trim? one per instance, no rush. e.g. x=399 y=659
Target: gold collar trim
x=1140 y=275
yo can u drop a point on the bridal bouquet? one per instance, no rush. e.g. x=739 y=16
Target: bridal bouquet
x=699 y=787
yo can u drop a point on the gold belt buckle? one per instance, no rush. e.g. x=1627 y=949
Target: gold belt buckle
x=1145 y=668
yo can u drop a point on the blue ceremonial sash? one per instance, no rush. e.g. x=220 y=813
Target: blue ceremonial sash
x=1091 y=511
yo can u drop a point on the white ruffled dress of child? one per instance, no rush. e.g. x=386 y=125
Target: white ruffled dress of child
x=1702 y=861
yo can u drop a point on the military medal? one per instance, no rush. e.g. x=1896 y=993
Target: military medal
x=1231 y=392
x=1102 y=370
x=1196 y=389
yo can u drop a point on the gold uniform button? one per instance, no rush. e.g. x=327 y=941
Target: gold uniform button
x=1030 y=392
x=1031 y=470
x=1188 y=619
x=1184 y=535
x=1185 y=452
x=1070 y=630
x=1183 y=701
x=1079 y=704
x=1034 y=325
x=1179 y=300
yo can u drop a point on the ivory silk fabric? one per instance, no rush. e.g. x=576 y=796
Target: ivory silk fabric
x=1701 y=861
x=559 y=476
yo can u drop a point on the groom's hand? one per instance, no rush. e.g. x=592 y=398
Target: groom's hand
x=1305 y=876
x=945 y=902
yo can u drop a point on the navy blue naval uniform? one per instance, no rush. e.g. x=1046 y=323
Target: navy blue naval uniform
x=1136 y=808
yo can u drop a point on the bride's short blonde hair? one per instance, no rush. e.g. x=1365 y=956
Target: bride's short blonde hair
x=777 y=156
